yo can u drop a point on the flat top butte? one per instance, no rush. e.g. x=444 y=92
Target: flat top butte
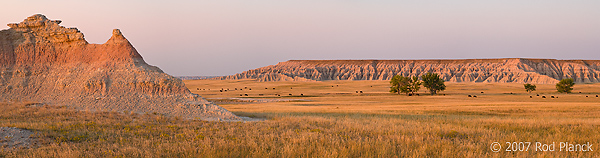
x=507 y=70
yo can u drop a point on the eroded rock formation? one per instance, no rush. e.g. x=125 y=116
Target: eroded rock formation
x=44 y=62
x=541 y=71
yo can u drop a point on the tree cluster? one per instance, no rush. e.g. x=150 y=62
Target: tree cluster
x=410 y=85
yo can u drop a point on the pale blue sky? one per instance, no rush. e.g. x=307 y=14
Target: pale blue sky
x=225 y=37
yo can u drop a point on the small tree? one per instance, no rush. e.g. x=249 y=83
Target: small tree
x=529 y=87
x=565 y=85
x=405 y=84
x=433 y=82
x=415 y=85
x=398 y=82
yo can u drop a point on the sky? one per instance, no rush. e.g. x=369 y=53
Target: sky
x=224 y=37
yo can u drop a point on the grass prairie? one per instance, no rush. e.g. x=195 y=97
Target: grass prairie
x=327 y=119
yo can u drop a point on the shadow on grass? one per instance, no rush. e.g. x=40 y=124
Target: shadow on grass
x=329 y=115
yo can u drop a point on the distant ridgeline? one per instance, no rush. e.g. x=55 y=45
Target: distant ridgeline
x=542 y=71
x=195 y=77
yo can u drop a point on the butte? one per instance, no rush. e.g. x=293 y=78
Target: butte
x=43 y=62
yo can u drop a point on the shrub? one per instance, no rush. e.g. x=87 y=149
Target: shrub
x=565 y=85
x=529 y=87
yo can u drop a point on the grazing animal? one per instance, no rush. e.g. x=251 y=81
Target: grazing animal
x=278 y=95
x=579 y=92
x=360 y=91
x=301 y=94
x=470 y=96
x=586 y=96
x=250 y=89
x=197 y=88
x=417 y=94
x=371 y=86
x=273 y=88
x=260 y=94
x=409 y=94
x=290 y=94
x=444 y=94
x=331 y=86
x=245 y=87
x=481 y=92
x=221 y=90
x=530 y=96
x=291 y=88
x=551 y=96
x=538 y=95
x=240 y=94
x=356 y=91
x=511 y=93
x=596 y=96
x=474 y=96
x=266 y=88
x=543 y=96
x=236 y=89
x=246 y=94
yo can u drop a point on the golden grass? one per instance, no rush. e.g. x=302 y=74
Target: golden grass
x=336 y=122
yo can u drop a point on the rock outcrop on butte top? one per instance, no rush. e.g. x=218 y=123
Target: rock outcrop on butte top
x=541 y=71
x=42 y=61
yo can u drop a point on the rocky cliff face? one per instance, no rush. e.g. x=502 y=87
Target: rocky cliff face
x=44 y=62
x=541 y=71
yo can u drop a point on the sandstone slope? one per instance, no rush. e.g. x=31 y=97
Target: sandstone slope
x=44 y=62
x=541 y=71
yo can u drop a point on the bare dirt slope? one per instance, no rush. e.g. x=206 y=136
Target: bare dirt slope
x=542 y=71
x=11 y=137
x=44 y=62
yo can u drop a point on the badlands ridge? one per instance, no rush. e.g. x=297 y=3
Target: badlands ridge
x=41 y=61
x=540 y=71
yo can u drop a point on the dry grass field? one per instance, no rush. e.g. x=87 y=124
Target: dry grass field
x=326 y=119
